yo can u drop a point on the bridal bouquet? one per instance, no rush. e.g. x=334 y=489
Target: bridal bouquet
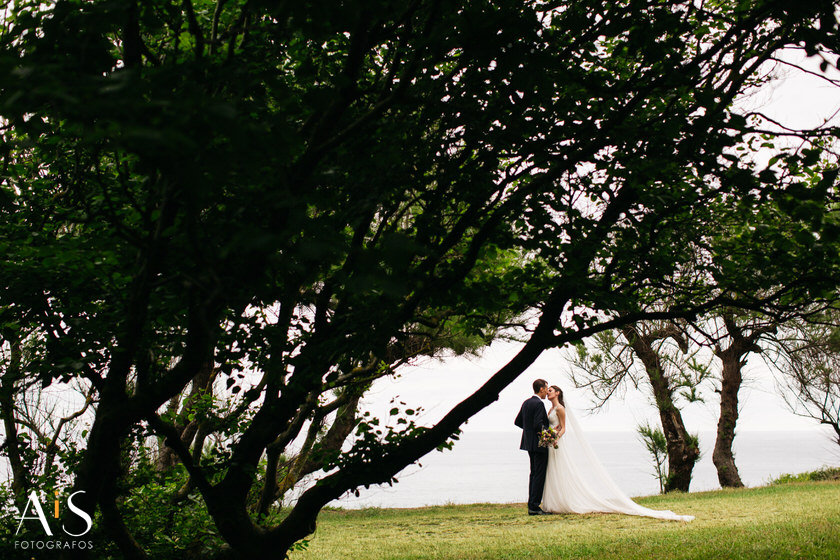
x=549 y=436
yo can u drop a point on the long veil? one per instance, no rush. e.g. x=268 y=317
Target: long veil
x=577 y=482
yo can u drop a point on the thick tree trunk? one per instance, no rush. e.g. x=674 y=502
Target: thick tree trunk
x=20 y=474
x=744 y=340
x=20 y=480
x=112 y=519
x=722 y=457
x=682 y=449
x=100 y=464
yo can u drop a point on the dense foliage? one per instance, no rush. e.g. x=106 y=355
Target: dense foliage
x=227 y=218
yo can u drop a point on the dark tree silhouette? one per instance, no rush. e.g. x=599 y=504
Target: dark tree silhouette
x=300 y=191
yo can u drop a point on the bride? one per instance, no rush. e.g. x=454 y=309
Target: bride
x=576 y=482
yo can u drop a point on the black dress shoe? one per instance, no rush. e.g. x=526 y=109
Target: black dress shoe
x=538 y=512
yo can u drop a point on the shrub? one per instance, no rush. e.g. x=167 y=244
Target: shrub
x=825 y=473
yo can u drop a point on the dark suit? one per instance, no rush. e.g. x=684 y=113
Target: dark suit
x=533 y=419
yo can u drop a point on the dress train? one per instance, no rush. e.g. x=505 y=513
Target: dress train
x=577 y=482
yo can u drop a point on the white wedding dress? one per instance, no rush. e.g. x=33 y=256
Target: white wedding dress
x=576 y=481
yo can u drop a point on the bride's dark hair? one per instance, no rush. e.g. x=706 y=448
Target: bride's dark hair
x=560 y=391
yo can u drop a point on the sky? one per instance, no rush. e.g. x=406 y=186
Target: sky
x=797 y=100
x=436 y=386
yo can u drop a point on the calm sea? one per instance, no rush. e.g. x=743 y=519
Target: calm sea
x=488 y=467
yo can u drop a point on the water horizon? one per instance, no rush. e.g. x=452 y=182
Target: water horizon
x=488 y=467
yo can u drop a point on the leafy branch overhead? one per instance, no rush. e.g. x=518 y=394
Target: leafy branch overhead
x=227 y=219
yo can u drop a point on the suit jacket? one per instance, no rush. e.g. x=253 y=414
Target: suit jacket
x=532 y=419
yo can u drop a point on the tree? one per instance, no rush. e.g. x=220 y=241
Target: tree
x=288 y=191
x=734 y=333
x=12 y=445
x=732 y=339
x=656 y=354
x=805 y=354
x=39 y=428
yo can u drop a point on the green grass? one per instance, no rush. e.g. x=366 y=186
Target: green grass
x=799 y=520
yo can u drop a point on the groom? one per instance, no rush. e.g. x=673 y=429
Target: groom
x=533 y=419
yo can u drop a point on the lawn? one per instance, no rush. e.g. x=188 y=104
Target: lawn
x=797 y=520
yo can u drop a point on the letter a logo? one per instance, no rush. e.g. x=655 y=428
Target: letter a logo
x=36 y=505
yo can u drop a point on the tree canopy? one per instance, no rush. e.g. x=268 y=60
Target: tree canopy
x=314 y=193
